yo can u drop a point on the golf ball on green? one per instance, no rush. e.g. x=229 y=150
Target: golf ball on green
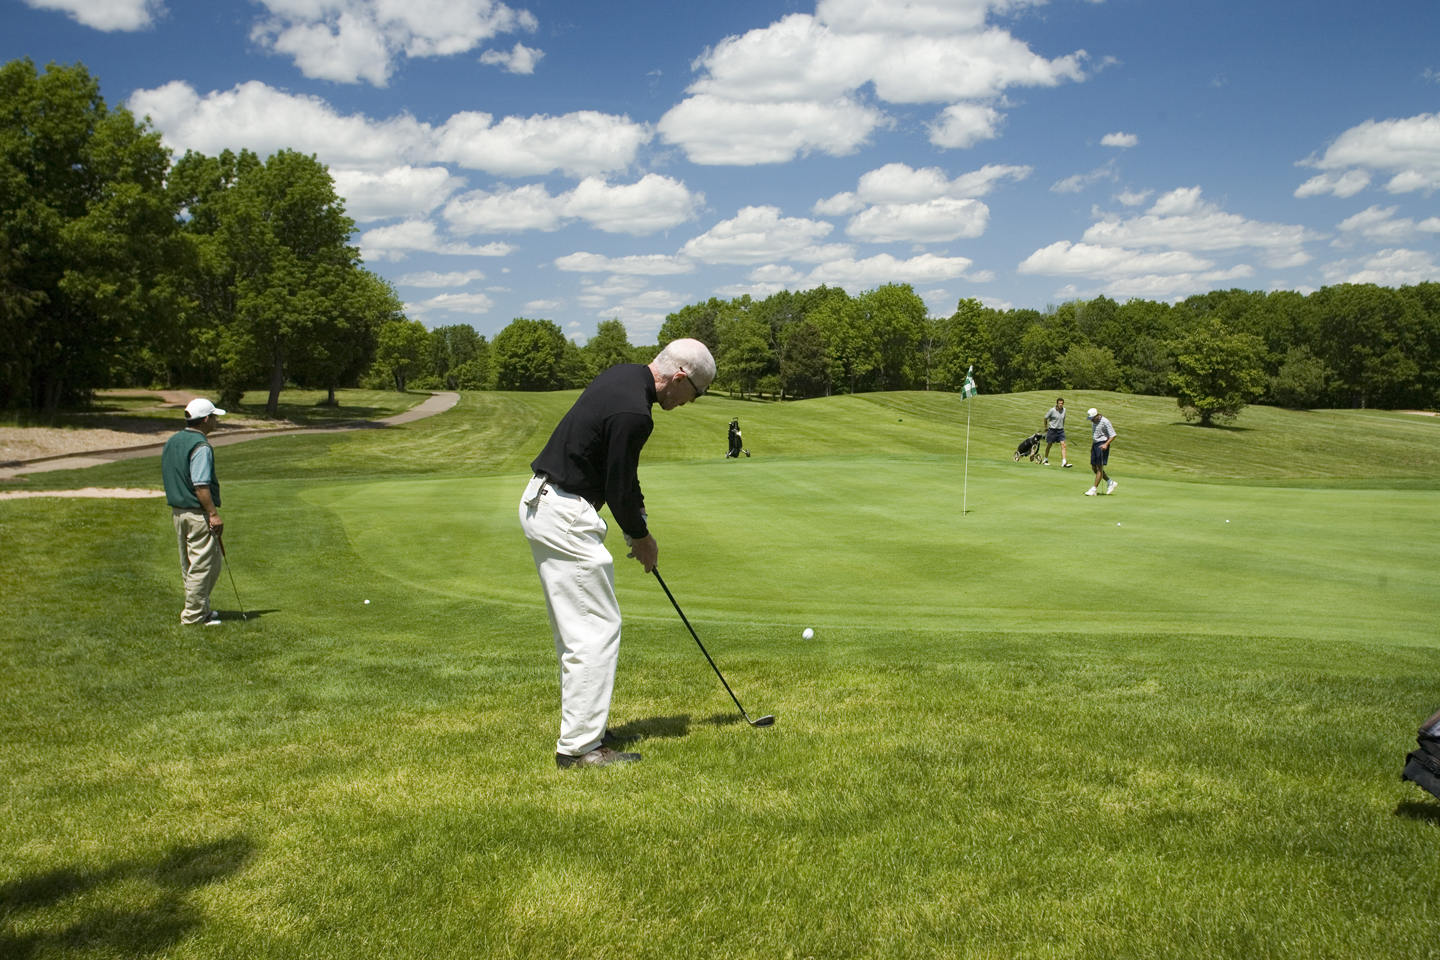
x=367 y=601
x=808 y=633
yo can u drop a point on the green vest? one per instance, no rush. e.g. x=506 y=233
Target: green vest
x=175 y=471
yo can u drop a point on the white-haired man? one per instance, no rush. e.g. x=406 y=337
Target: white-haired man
x=592 y=459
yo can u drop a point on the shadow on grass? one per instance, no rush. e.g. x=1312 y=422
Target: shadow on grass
x=152 y=922
x=655 y=728
x=1413 y=810
x=723 y=720
x=229 y=615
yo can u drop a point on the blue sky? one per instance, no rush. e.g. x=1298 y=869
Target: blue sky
x=582 y=161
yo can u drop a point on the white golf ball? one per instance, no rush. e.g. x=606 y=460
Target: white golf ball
x=1117 y=524
x=367 y=601
x=808 y=633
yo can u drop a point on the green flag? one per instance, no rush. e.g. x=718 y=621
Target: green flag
x=968 y=389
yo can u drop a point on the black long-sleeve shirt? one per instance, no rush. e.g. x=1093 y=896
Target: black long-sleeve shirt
x=595 y=450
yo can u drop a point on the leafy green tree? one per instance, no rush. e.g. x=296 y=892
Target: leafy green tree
x=1216 y=372
x=576 y=367
x=609 y=346
x=527 y=355
x=896 y=318
x=1088 y=367
x=1302 y=381
x=804 y=361
x=87 y=237
x=343 y=336
x=276 y=267
x=965 y=342
x=1368 y=335
x=849 y=339
x=698 y=321
x=403 y=351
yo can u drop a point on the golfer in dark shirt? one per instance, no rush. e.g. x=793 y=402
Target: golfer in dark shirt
x=592 y=460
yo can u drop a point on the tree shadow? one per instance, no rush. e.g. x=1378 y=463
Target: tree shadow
x=149 y=927
x=655 y=728
x=1412 y=810
x=1222 y=427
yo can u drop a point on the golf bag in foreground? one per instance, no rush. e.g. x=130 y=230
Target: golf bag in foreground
x=1422 y=767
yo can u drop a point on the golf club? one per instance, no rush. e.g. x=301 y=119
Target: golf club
x=764 y=721
x=225 y=558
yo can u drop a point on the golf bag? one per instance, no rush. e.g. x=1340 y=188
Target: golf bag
x=1029 y=448
x=1422 y=767
x=735 y=448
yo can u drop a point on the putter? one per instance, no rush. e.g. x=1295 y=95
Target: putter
x=225 y=558
x=764 y=721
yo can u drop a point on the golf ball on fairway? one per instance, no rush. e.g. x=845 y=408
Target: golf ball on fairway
x=367 y=601
x=808 y=633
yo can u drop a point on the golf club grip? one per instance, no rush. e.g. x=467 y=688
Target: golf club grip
x=686 y=621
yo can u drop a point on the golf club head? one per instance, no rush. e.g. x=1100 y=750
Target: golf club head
x=764 y=721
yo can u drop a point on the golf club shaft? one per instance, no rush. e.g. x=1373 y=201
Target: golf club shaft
x=225 y=558
x=656 y=571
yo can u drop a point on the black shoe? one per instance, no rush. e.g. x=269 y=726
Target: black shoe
x=599 y=757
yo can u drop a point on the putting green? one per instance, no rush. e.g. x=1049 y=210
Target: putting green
x=829 y=542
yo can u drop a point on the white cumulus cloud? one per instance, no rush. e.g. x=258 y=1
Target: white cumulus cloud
x=930 y=221
x=1380 y=224
x=1388 y=268
x=520 y=59
x=395 y=242
x=352 y=40
x=1181 y=220
x=473 y=303
x=1119 y=140
x=582 y=144
x=397 y=192
x=1170 y=249
x=758 y=234
x=653 y=203
x=106 y=15
x=432 y=278
x=873 y=271
x=653 y=265
x=795 y=86
x=1407 y=149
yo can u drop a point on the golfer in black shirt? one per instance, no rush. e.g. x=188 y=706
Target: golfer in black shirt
x=591 y=460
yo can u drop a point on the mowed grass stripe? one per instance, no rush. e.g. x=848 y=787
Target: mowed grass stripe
x=884 y=543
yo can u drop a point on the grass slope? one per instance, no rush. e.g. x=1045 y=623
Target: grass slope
x=1024 y=731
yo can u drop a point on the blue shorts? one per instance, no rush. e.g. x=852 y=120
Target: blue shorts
x=1054 y=436
x=1099 y=455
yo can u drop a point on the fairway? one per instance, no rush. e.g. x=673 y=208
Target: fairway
x=1164 y=723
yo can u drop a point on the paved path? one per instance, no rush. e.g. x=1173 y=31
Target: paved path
x=438 y=403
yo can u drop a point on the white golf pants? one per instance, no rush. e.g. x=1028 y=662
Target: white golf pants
x=567 y=539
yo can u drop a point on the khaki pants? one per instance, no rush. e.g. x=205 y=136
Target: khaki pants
x=567 y=540
x=199 y=562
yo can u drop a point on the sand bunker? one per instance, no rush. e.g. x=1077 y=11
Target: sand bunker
x=131 y=492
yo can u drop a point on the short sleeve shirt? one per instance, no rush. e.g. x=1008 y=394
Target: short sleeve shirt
x=1055 y=419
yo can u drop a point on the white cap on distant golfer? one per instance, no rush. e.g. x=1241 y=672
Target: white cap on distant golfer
x=200 y=408
x=1091 y=414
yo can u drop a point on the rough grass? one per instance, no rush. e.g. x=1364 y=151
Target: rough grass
x=1019 y=732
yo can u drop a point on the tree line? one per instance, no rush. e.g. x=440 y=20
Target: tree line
x=119 y=268
x=1349 y=345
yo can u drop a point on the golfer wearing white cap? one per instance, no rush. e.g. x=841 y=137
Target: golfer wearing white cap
x=1100 y=452
x=187 y=465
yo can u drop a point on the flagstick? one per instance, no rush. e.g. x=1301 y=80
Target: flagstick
x=965 y=501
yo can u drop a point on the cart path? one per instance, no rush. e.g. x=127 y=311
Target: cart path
x=437 y=403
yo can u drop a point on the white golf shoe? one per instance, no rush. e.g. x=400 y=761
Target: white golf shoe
x=1090 y=492
x=1111 y=488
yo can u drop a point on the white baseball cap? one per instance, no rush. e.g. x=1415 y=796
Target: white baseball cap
x=200 y=408
x=1090 y=414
